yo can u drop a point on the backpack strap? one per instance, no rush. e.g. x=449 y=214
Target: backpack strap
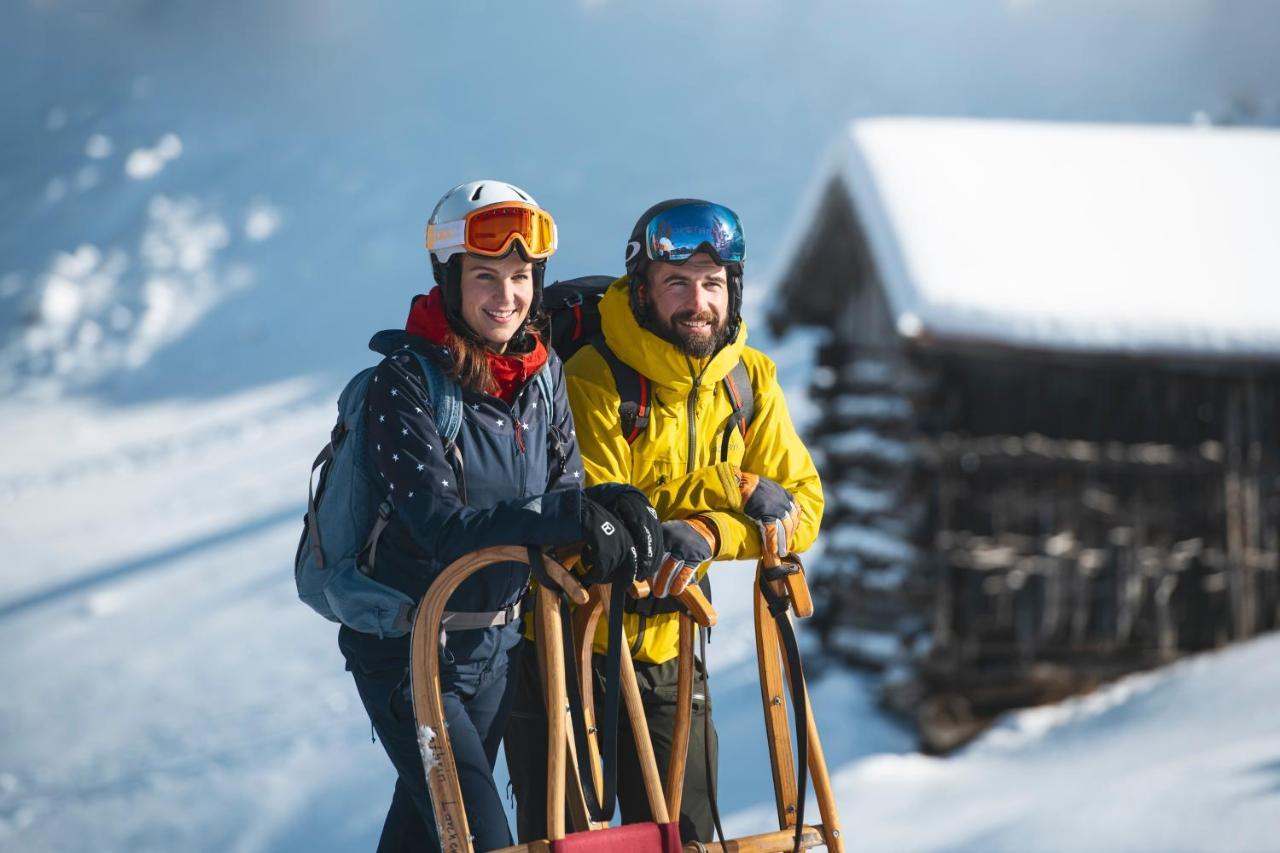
x=445 y=396
x=633 y=392
x=544 y=383
x=737 y=383
x=543 y=380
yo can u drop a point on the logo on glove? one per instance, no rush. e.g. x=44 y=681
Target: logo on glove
x=608 y=528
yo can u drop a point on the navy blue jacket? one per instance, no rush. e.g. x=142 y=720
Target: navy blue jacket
x=522 y=474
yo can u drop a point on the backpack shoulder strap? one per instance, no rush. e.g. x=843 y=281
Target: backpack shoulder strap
x=741 y=395
x=543 y=380
x=446 y=398
x=633 y=392
x=737 y=383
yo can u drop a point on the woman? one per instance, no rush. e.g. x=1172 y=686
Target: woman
x=511 y=477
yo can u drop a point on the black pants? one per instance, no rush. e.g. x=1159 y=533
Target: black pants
x=526 y=748
x=477 y=699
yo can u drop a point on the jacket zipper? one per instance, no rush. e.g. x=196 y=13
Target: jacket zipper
x=521 y=457
x=693 y=425
x=691 y=410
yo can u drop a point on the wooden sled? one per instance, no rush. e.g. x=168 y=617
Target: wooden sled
x=664 y=800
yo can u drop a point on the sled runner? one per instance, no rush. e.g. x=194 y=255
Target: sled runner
x=780 y=588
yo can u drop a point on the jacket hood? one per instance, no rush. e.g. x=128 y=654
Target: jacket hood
x=658 y=360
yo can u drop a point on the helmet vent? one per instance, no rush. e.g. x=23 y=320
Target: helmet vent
x=475 y=196
x=519 y=193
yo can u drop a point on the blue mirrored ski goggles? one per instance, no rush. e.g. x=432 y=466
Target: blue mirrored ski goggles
x=677 y=234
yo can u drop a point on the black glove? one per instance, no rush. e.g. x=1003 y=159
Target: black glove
x=607 y=545
x=635 y=512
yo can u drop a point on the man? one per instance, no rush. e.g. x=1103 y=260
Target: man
x=675 y=319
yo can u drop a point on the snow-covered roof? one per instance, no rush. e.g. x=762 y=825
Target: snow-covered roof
x=1086 y=237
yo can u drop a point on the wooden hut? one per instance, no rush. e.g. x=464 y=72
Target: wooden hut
x=1049 y=401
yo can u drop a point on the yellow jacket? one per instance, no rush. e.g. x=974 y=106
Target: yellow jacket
x=658 y=462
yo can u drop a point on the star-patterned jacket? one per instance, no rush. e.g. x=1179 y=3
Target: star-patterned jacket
x=522 y=484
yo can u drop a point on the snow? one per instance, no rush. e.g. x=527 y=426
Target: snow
x=868 y=443
x=1176 y=760
x=1114 y=238
x=870 y=542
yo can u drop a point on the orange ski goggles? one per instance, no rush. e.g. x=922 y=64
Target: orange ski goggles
x=491 y=231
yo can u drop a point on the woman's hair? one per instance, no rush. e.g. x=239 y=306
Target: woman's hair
x=470 y=354
x=470 y=363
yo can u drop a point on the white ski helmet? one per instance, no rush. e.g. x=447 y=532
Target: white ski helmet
x=466 y=198
x=446 y=243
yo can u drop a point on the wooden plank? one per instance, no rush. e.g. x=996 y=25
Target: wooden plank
x=817 y=764
x=777 y=732
x=552 y=657
x=691 y=597
x=684 y=715
x=428 y=707
x=640 y=731
x=767 y=842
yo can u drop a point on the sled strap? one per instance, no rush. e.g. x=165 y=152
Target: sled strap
x=778 y=606
x=600 y=804
x=462 y=620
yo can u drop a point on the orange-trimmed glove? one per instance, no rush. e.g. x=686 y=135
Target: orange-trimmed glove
x=689 y=543
x=772 y=508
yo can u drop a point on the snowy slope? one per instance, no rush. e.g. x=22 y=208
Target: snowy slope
x=1186 y=759
x=165 y=691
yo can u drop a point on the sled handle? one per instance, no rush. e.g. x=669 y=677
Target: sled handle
x=692 y=598
x=793 y=585
x=558 y=563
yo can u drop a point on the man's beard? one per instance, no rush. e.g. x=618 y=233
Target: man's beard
x=688 y=342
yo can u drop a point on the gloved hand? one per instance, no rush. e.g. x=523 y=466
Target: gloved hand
x=638 y=516
x=772 y=508
x=689 y=543
x=606 y=544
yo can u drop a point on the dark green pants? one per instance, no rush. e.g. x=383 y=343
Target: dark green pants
x=526 y=748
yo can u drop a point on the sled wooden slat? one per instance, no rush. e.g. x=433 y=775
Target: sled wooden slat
x=777 y=732
x=818 y=775
x=428 y=706
x=798 y=591
x=692 y=598
x=684 y=717
x=768 y=842
x=551 y=656
x=585 y=620
x=639 y=730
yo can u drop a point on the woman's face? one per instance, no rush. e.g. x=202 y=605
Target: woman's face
x=496 y=294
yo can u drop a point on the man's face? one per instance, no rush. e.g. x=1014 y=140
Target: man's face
x=687 y=304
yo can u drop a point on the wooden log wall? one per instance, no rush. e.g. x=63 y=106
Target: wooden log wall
x=1014 y=531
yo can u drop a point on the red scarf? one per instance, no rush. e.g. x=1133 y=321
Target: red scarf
x=510 y=370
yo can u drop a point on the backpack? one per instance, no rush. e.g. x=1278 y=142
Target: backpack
x=574 y=310
x=347 y=510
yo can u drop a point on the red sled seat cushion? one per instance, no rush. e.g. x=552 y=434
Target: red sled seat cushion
x=632 y=837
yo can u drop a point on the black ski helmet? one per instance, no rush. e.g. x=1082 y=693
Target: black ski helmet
x=637 y=264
